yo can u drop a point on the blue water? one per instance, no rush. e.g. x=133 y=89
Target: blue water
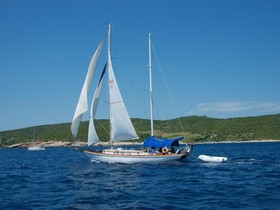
x=61 y=178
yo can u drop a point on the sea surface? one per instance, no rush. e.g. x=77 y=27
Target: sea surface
x=62 y=178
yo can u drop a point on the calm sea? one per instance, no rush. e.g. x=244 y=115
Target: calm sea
x=62 y=178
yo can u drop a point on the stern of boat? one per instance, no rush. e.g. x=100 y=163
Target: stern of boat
x=186 y=151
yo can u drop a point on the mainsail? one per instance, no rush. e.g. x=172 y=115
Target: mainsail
x=121 y=126
x=82 y=105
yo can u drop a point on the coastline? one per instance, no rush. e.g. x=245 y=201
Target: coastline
x=84 y=144
x=235 y=142
x=68 y=144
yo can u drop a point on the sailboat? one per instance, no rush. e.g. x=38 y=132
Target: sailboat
x=121 y=127
x=35 y=147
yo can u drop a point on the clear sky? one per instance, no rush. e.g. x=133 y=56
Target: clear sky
x=220 y=58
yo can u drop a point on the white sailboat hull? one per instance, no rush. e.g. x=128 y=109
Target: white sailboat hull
x=132 y=157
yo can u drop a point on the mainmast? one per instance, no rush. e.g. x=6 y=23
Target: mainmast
x=121 y=127
x=151 y=86
x=110 y=66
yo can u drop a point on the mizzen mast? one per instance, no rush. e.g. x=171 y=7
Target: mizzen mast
x=151 y=86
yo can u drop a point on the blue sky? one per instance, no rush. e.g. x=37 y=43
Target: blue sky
x=219 y=58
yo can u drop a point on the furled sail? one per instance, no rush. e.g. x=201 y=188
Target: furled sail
x=121 y=126
x=82 y=105
x=92 y=135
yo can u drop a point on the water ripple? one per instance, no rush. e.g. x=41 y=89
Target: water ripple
x=60 y=178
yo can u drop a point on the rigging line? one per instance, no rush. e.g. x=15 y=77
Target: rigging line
x=168 y=90
x=137 y=99
x=129 y=32
x=103 y=127
x=124 y=50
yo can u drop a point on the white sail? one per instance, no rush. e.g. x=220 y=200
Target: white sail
x=82 y=105
x=92 y=135
x=121 y=126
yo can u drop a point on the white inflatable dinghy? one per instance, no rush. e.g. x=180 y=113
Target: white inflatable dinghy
x=213 y=159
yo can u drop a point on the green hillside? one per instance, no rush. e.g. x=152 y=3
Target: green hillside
x=196 y=128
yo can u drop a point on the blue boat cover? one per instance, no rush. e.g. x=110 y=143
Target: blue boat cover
x=156 y=143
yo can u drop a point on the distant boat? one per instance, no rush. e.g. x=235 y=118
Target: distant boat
x=121 y=127
x=35 y=147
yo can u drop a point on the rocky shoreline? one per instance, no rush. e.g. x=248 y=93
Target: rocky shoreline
x=66 y=144
x=83 y=144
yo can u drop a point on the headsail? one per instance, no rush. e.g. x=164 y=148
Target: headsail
x=82 y=105
x=92 y=135
x=121 y=125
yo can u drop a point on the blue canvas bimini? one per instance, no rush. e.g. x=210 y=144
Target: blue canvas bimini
x=156 y=143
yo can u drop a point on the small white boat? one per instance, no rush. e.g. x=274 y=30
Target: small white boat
x=35 y=148
x=213 y=159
